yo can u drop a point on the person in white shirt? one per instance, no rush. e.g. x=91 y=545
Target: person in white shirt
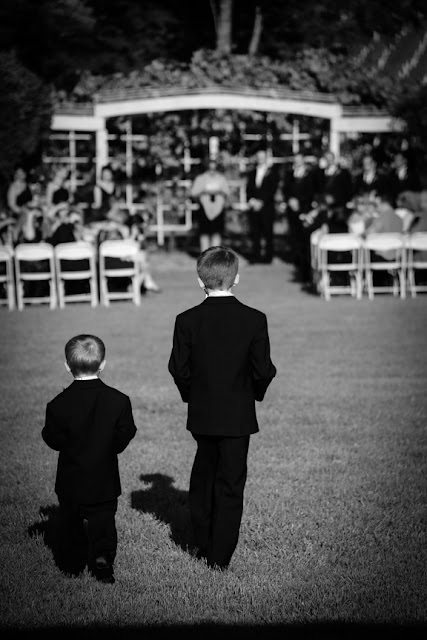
x=211 y=191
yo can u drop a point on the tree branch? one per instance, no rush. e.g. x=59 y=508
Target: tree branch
x=214 y=15
x=256 y=32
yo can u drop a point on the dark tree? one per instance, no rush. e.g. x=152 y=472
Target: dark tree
x=25 y=114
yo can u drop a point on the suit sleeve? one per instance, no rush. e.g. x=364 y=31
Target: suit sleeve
x=179 y=361
x=54 y=432
x=125 y=428
x=263 y=370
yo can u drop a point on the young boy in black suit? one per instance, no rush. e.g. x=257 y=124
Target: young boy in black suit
x=220 y=362
x=89 y=423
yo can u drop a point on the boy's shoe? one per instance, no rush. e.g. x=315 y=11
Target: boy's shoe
x=103 y=571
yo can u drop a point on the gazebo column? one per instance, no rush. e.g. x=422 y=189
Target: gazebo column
x=101 y=148
x=334 y=137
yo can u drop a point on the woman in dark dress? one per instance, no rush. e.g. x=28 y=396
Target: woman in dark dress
x=105 y=193
x=19 y=192
x=57 y=190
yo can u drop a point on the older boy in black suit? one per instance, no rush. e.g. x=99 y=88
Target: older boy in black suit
x=89 y=423
x=220 y=362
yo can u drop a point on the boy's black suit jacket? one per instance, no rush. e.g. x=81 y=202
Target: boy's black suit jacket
x=89 y=423
x=221 y=364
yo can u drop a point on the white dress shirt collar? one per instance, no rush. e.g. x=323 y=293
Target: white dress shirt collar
x=86 y=378
x=219 y=294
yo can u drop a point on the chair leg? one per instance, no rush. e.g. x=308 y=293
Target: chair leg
x=411 y=282
x=11 y=296
x=353 y=285
x=369 y=284
x=136 y=290
x=61 y=293
x=104 y=292
x=20 y=295
x=325 y=285
x=359 y=285
x=402 y=281
x=52 y=294
x=93 y=292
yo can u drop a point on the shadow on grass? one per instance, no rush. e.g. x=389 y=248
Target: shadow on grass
x=167 y=504
x=74 y=562
x=48 y=527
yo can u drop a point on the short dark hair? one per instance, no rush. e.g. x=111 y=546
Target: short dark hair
x=217 y=267
x=84 y=354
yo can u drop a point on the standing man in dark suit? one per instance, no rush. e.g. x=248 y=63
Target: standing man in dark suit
x=300 y=193
x=370 y=181
x=336 y=184
x=220 y=362
x=402 y=178
x=261 y=187
x=89 y=423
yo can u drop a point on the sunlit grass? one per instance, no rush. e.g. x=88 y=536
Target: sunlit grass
x=334 y=525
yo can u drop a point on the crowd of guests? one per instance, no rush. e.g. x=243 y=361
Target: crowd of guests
x=331 y=196
x=37 y=212
x=327 y=193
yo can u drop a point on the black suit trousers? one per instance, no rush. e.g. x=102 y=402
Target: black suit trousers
x=87 y=531
x=217 y=483
x=261 y=228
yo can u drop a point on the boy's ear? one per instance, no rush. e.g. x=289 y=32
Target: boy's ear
x=67 y=367
x=201 y=285
x=236 y=279
x=102 y=365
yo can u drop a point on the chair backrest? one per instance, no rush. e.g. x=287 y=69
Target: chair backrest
x=417 y=241
x=34 y=251
x=6 y=253
x=339 y=242
x=74 y=251
x=315 y=236
x=125 y=249
x=384 y=241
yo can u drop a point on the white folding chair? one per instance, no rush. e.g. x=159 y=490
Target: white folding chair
x=340 y=253
x=7 y=279
x=389 y=249
x=66 y=256
x=35 y=252
x=126 y=253
x=416 y=259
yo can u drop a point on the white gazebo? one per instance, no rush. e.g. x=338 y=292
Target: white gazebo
x=76 y=121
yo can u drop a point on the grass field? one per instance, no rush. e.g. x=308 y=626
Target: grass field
x=334 y=525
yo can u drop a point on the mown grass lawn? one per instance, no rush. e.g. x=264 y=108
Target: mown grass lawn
x=334 y=525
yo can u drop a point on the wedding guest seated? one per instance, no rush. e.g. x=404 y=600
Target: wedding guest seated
x=413 y=205
x=7 y=227
x=19 y=192
x=120 y=225
x=30 y=225
x=57 y=189
x=30 y=228
x=66 y=225
x=385 y=219
x=105 y=192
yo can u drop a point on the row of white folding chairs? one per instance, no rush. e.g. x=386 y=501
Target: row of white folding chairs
x=57 y=274
x=401 y=264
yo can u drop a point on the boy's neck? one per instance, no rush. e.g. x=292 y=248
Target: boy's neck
x=216 y=293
